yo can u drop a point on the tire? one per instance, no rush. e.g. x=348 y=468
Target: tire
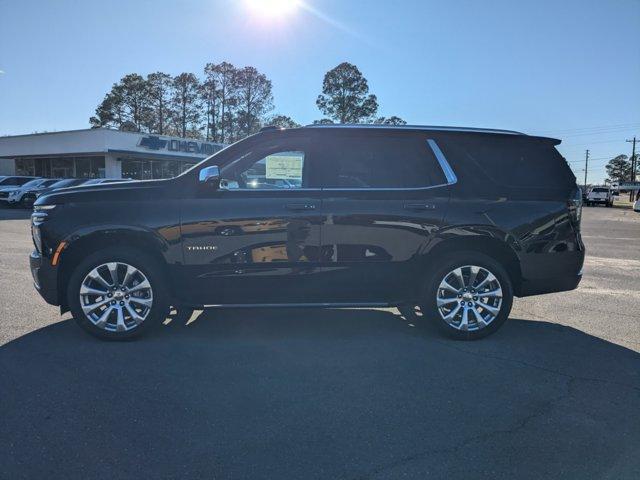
x=147 y=267
x=27 y=201
x=476 y=328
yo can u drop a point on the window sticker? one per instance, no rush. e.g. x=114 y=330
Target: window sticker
x=284 y=166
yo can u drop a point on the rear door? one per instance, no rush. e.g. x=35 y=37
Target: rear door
x=384 y=196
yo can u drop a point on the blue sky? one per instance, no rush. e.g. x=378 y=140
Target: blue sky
x=569 y=69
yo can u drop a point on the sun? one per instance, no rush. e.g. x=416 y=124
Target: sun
x=272 y=8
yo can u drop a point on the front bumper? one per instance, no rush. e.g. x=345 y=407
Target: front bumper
x=45 y=278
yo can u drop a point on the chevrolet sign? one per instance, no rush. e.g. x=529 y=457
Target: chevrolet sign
x=153 y=142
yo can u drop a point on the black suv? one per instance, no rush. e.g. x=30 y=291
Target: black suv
x=455 y=221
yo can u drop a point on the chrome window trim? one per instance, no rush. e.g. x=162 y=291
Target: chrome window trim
x=442 y=160
x=262 y=190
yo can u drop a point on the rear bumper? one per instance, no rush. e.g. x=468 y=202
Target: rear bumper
x=549 y=285
x=44 y=278
x=551 y=272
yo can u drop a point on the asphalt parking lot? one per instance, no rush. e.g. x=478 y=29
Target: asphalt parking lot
x=334 y=394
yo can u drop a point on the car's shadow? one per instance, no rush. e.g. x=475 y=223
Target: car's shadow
x=318 y=394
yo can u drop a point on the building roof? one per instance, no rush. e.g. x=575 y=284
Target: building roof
x=104 y=140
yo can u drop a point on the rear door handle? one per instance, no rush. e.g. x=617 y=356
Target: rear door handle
x=419 y=206
x=300 y=206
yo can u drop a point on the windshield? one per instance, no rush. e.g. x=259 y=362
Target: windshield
x=48 y=183
x=33 y=183
x=63 y=183
x=600 y=190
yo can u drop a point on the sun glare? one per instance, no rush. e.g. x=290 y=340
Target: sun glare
x=272 y=8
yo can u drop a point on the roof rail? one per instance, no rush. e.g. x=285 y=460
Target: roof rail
x=416 y=127
x=269 y=128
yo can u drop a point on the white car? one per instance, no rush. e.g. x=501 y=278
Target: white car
x=10 y=183
x=602 y=195
x=17 y=196
x=636 y=206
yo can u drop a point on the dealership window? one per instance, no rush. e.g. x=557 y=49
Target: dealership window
x=89 y=167
x=25 y=166
x=152 y=169
x=62 y=167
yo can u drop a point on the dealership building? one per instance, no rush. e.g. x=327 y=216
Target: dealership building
x=101 y=152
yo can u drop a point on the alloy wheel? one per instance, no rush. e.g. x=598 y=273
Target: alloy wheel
x=116 y=297
x=469 y=298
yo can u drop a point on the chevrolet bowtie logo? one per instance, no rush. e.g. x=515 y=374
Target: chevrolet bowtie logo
x=152 y=142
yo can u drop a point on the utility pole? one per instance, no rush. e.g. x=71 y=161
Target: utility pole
x=586 y=168
x=633 y=166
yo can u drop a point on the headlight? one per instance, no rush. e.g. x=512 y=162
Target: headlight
x=43 y=208
x=37 y=238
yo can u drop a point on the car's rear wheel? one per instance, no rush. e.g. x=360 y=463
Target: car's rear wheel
x=117 y=294
x=469 y=296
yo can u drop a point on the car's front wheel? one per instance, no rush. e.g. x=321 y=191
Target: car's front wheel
x=27 y=201
x=117 y=294
x=469 y=296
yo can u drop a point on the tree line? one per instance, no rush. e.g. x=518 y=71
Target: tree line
x=227 y=103
x=620 y=169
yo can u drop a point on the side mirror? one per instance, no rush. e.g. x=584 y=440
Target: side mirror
x=210 y=175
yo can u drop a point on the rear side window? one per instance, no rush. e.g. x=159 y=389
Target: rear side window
x=358 y=161
x=517 y=162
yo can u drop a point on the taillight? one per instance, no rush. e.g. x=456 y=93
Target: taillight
x=575 y=207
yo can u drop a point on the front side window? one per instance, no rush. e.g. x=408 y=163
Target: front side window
x=278 y=169
x=380 y=161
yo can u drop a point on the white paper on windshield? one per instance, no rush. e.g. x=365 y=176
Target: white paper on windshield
x=284 y=167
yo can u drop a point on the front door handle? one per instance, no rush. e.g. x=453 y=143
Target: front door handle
x=300 y=206
x=419 y=206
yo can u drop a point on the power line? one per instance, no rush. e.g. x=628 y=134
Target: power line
x=583 y=129
x=589 y=143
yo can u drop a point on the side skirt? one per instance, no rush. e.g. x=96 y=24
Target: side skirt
x=299 y=305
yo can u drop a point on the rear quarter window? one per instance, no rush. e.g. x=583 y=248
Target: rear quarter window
x=516 y=162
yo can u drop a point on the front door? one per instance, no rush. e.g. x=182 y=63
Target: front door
x=384 y=199
x=256 y=239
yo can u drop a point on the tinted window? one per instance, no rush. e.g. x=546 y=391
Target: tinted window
x=63 y=183
x=379 y=161
x=48 y=183
x=15 y=181
x=33 y=183
x=601 y=190
x=515 y=161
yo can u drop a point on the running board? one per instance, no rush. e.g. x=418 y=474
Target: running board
x=301 y=305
